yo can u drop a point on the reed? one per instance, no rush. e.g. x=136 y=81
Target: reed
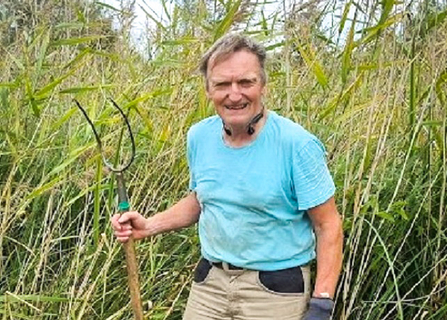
x=376 y=98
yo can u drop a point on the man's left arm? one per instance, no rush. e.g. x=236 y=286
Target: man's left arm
x=327 y=225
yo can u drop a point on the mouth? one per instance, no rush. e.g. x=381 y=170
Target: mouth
x=236 y=106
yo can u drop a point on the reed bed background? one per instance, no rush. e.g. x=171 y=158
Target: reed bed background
x=371 y=83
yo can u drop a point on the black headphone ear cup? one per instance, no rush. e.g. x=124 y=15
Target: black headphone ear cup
x=227 y=130
x=250 y=129
x=255 y=120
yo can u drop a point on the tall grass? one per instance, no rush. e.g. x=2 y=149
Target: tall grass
x=377 y=99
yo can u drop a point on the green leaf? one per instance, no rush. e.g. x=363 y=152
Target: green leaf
x=55 y=126
x=76 y=41
x=432 y=123
x=326 y=40
x=42 y=55
x=442 y=80
x=69 y=25
x=150 y=16
x=375 y=66
x=226 y=23
x=165 y=10
x=34 y=298
x=334 y=102
x=78 y=57
x=398 y=208
x=264 y=24
x=81 y=16
x=71 y=157
x=43 y=188
x=12 y=85
x=385 y=215
x=387 y=8
x=18 y=63
x=42 y=92
x=162 y=62
x=275 y=45
x=86 y=89
x=372 y=33
x=111 y=56
x=31 y=99
x=107 y=6
x=346 y=58
x=181 y=41
x=314 y=65
x=436 y=19
x=15 y=315
x=4 y=99
x=83 y=192
x=344 y=16
x=352 y=112
x=11 y=144
x=145 y=97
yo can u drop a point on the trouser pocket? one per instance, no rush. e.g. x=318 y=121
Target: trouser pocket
x=202 y=271
x=287 y=281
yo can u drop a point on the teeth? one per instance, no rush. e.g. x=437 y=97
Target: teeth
x=237 y=107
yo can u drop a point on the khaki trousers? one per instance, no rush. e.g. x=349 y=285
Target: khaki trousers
x=242 y=295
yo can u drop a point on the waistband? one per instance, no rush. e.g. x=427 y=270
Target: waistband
x=225 y=266
x=231 y=267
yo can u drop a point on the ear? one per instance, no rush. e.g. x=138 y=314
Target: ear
x=264 y=90
x=207 y=87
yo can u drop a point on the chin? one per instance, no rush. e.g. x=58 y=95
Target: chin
x=240 y=117
x=231 y=122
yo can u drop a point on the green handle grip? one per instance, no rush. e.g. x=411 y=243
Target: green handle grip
x=123 y=199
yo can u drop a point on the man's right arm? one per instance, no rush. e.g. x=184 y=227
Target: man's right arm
x=183 y=214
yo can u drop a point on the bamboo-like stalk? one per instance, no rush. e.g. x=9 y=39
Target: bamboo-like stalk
x=381 y=118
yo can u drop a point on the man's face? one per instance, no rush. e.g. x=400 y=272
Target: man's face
x=235 y=87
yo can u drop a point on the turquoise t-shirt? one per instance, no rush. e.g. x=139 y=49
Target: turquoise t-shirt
x=254 y=199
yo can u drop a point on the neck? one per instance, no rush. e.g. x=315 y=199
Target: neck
x=240 y=136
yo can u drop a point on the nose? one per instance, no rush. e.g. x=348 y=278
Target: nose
x=235 y=92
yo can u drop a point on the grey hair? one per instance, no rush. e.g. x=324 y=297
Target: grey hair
x=230 y=44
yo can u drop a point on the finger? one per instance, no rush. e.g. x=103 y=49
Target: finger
x=126 y=217
x=129 y=218
x=115 y=224
x=123 y=233
x=123 y=239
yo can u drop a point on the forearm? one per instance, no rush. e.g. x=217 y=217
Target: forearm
x=329 y=257
x=183 y=214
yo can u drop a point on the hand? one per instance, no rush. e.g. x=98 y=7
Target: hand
x=129 y=224
x=319 y=309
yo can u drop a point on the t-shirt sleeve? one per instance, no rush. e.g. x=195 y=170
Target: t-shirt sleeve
x=190 y=153
x=311 y=177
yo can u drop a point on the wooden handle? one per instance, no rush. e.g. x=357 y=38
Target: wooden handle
x=132 y=277
x=129 y=250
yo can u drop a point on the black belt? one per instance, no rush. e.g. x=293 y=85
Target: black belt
x=230 y=266
x=220 y=265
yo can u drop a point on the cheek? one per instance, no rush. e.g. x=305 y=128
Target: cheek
x=217 y=97
x=256 y=94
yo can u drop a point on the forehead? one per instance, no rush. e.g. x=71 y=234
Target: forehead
x=236 y=65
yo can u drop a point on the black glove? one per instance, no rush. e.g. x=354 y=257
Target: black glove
x=319 y=309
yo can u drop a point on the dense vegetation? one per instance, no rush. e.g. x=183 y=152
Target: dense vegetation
x=372 y=86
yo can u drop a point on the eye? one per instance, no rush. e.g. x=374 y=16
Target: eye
x=221 y=84
x=247 y=82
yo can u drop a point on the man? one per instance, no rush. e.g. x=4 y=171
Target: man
x=260 y=191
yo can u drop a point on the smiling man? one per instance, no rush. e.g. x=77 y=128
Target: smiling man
x=235 y=86
x=262 y=196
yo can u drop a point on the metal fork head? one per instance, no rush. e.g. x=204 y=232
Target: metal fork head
x=99 y=143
